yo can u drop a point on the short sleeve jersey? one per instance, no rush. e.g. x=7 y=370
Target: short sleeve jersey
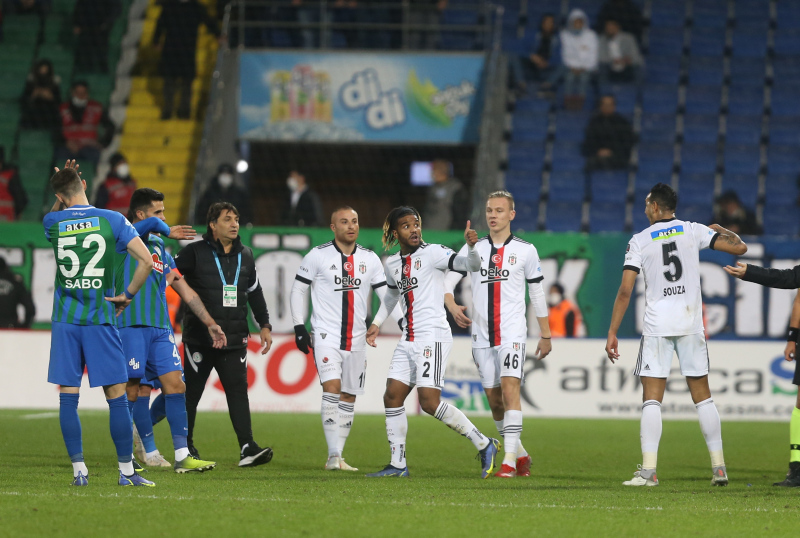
x=667 y=254
x=498 y=290
x=149 y=307
x=340 y=287
x=88 y=244
x=420 y=278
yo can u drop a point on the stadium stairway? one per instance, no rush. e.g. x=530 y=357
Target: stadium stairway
x=162 y=154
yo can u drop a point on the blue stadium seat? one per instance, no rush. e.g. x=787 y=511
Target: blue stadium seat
x=707 y=42
x=696 y=189
x=787 y=41
x=524 y=185
x=658 y=128
x=668 y=13
x=281 y=38
x=656 y=158
x=745 y=185
x=752 y=11
x=457 y=40
x=749 y=42
x=640 y=221
x=780 y=190
x=606 y=217
x=527 y=217
x=609 y=186
x=531 y=104
x=743 y=130
x=567 y=186
x=695 y=213
x=665 y=41
x=786 y=69
x=745 y=100
x=571 y=126
x=703 y=99
x=513 y=44
x=784 y=131
x=785 y=101
x=461 y=17
x=525 y=156
x=660 y=99
x=706 y=71
x=788 y=15
x=783 y=160
x=698 y=159
x=663 y=69
x=644 y=182
x=625 y=96
x=781 y=220
x=563 y=216
x=539 y=8
x=567 y=157
x=748 y=72
x=529 y=127
x=710 y=14
x=742 y=159
x=590 y=7
x=700 y=128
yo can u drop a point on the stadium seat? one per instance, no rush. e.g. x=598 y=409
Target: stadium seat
x=780 y=190
x=752 y=11
x=625 y=96
x=532 y=104
x=640 y=221
x=786 y=69
x=656 y=158
x=745 y=100
x=787 y=41
x=783 y=160
x=788 y=14
x=743 y=130
x=9 y=117
x=457 y=41
x=696 y=189
x=525 y=186
x=609 y=186
x=745 y=185
x=22 y=30
x=784 y=100
x=567 y=186
x=567 y=156
x=740 y=159
x=564 y=216
x=748 y=71
x=527 y=217
x=709 y=14
x=703 y=99
x=700 y=128
x=657 y=128
x=571 y=126
x=665 y=42
x=529 y=127
x=668 y=14
x=784 y=131
x=525 y=156
x=663 y=69
x=459 y=17
x=781 y=220
x=705 y=71
x=749 y=42
x=606 y=217
x=660 y=99
x=698 y=159
x=644 y=182
x=707 y=42
x=695 y=213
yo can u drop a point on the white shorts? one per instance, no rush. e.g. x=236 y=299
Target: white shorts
x=348 y=366
x=493 y=363
x=420 y=363
x=655 y=355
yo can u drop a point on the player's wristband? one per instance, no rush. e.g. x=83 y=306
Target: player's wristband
x=266 y=326
x=792 y=333
x=128 y=294
x=545 y=337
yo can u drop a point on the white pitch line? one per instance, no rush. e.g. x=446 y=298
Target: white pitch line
x=35 y=416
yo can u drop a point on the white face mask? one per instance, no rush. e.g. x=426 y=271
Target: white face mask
x=291 y=182
x=554 y=299
x=225 y=180
x=123 y=170
x=80 y=103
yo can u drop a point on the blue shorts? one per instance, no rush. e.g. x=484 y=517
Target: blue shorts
x=150 y=352
x=96 y=347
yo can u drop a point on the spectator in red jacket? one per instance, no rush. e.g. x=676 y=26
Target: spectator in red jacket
x=82 y=119
x=13 y=198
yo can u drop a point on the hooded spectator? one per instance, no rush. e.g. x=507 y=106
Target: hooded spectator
x=116 y=191
x=224 y=187
x=579 y=56
x=41 y=97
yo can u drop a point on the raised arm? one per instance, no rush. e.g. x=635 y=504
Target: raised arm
x=620 y=306
x=470 y=262
x=728 y=241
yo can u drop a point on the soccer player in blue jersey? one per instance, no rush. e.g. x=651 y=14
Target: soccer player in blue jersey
x=146 y=331
x=87 y=242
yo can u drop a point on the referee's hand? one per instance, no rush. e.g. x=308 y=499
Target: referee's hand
x=301 y=338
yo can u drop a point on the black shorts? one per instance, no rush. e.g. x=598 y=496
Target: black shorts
x=796 y=379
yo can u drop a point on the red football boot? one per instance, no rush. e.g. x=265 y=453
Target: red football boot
x=524 y=466
x=506 y=471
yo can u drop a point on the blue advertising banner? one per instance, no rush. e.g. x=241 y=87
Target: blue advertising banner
x=359 y=97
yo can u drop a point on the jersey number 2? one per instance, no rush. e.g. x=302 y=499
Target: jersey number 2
x=670 y=251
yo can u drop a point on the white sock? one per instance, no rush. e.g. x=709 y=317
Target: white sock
x=346 y=414
x=456 y=420
x=712 y=430
x=126 y=468
x=499 y=425
x=396 y=431
x=511 y=434
x=521 y=452
x=330 y=422
x=181 y=454
x=79 y=467
x=650 y=433
x=151 y=454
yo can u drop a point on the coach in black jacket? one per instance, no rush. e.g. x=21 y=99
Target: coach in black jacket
x=223 y=273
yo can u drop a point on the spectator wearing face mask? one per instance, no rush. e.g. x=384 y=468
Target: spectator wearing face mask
x=116 y=191
x=303 y=207
x=565 y=316
x=81 y=122
x=224 y=188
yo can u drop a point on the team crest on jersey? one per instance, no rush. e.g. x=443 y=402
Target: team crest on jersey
x=362 y=268
x=417 y=263
x=628 y=249
x=516 y=346
x=427 y=352
x=348 y=266
x=496 y=258
x=512 y=259
x=158 y=265
x=197 y=357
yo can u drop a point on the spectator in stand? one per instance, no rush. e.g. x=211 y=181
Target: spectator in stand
x=13 y=198
x=540 y=64
x=13 y=293
x=619 y=57
x=731 y=214
x=115 y=192
x=41 y=98
x=565 y=316
x=178 y=26
x=447 y=205
x=579 y=56
x=92 y=22
x=609 y=138
x=424 y=12
x=81 y=121
x=303 y=208
x=626 y=13
x=224 y=188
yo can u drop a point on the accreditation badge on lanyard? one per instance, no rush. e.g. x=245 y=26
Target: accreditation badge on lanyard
x=229 y=291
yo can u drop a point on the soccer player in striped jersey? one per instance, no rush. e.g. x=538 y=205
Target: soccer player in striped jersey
x=668 y=255
x=416 y=274
x=340 y=274
x=500 y=328
x=87 y=242
x=146 y=331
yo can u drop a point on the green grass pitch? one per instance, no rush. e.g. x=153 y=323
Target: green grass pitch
x=575 y=487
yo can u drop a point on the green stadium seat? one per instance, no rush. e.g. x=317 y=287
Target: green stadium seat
x=35 y=142
x=57 y=30
x=62 y=59
x=64 y=7
x=22 y=29
x=100 y=86
x=11 y=86
x=7 y=140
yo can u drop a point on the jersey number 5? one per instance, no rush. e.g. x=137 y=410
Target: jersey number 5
x=670 y=251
